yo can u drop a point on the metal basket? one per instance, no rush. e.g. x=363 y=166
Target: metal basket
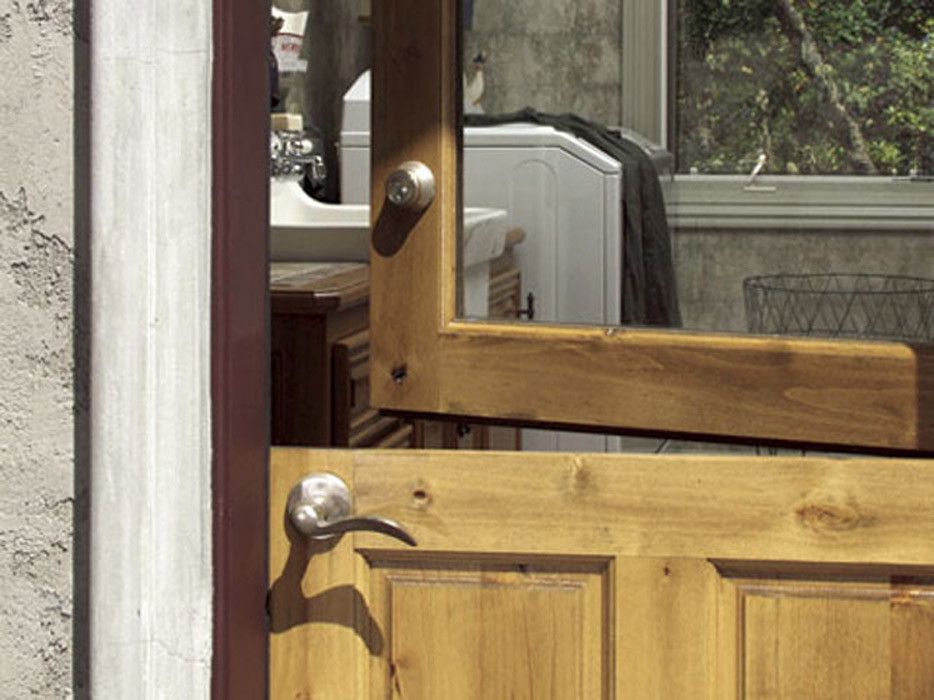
x=886 y=307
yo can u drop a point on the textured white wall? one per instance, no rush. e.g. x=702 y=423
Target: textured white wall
x=36 y=387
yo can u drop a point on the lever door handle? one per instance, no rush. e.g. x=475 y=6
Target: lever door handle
x=321 y=507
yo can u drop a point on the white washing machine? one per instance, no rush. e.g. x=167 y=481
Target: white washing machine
x=563 y=192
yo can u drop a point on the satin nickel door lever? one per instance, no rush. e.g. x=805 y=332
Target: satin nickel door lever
x=321 y=507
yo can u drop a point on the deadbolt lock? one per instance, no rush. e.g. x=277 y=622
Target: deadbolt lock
x=411 y=186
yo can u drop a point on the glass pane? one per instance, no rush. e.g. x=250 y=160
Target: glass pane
x=829 y=88
x=753 y=166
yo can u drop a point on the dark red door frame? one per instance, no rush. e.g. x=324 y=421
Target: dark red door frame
x=239 y=347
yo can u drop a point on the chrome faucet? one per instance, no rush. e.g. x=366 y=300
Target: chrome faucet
x=292 y=153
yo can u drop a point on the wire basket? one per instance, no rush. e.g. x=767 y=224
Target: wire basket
x=885 y=307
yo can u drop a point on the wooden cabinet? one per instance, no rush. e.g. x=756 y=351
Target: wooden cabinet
x=321 y=363
x=315 y=307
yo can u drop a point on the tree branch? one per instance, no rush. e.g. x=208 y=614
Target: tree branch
x=813 y=62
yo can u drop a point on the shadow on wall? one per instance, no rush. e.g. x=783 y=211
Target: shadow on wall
x=556 y=56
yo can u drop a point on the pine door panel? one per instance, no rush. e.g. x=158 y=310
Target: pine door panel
x=843 y=638
x=467 y=628
x=611 y=576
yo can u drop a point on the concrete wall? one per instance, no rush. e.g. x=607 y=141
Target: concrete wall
x=553 y=55
x=711 y=265
x=36 y=386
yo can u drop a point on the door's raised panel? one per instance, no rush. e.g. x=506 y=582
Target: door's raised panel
x=847 y=639
x=913 y=647
x=492 y=629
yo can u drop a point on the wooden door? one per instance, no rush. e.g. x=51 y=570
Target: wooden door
x=600 y=576
x=609 y=576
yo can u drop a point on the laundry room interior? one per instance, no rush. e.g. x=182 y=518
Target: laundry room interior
x=624 y=165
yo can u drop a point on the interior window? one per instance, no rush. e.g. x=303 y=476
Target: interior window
x=803 y=88
x=787 y=114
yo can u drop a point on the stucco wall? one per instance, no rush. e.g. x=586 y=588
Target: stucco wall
x=36 y=386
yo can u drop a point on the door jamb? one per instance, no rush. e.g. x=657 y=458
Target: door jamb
x=240 y=347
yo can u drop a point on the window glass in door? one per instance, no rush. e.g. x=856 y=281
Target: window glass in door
x=778 y=181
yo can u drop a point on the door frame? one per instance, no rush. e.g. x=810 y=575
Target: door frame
x=171 y=134
x=240 y=336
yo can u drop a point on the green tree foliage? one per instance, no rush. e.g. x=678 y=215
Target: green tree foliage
x=744 y=85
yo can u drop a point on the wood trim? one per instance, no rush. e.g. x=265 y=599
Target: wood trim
x=874 y=396
x=804 y=391
x=239 y=352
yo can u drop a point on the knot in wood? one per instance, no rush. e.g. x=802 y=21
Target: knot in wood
x=421 y=496
x=578 y=477
x=824 y=513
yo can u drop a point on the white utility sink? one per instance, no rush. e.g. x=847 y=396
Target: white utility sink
x=304 y=229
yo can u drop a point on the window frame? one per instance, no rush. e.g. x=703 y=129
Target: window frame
x=839 y=202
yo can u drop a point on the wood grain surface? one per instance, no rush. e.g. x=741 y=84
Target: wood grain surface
x=588 y=576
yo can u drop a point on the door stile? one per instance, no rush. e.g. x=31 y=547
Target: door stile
x=414 y=119
x=726 y=628
x=320 y=629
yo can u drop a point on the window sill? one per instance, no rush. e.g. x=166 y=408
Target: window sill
x=800 y=202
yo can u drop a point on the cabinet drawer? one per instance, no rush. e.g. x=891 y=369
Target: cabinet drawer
x=354 y=423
